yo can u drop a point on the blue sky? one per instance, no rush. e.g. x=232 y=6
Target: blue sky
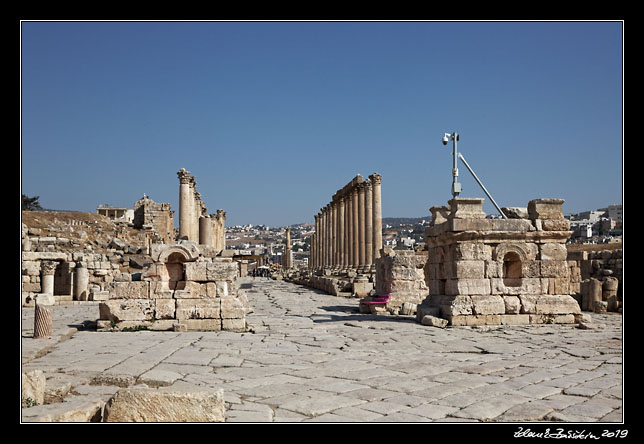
x=273 y=117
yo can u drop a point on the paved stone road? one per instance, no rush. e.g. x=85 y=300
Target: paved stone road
x=313 y=357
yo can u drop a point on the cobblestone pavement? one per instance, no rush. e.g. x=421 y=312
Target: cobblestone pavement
x=313 y=357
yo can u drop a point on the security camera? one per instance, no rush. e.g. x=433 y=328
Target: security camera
x=445 y=139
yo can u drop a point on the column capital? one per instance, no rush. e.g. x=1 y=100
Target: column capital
x=376 y=179
x=184 y=176
x=48 y=267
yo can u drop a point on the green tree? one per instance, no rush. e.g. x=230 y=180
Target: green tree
x=31 y=203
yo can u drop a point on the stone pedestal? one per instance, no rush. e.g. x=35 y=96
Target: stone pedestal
x=498 y=271
x=43 y=322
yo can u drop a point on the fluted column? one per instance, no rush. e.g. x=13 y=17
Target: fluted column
x=329 y=235
x=361 y=226
x=325 y=242
x=368 y=227
x=376 y=181
x=317 y=241
x=334 y=233
x=356 y=228
x=341 y=252
x=349 y=217
x=185 y=203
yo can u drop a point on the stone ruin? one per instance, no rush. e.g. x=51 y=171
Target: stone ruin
x=136 y=271
x=347 y=240
x=484 y=271
x=181 y=290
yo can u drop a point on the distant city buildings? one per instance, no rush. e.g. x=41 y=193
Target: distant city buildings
x=603 y=225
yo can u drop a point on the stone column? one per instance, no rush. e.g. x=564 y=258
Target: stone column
x=197 y=211
x=312 y=252
x=221 y=229
x=341 y=251
x=47 y=270
x=286 y=256
x=356 y=228
x=328 y=235
x=185 y=204
x=205 y=231
x=334 y=232
x=376 y=181
x=81 y=283
x=324 y=236
x=316 y=259
x=349 y=229
x=361 y=227
x=368 y=227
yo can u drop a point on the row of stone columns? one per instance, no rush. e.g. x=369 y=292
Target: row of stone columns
x=348 y=231
x=195 y=224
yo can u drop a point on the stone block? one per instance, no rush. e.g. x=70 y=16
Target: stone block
x=467 y=286
x=222 y=271
x=474 y=251
x=202 y=324
x=126 y=310
x=466 y=269
x=196 y=271
x=488 y=304
x=33 y=388
x=554 y=225
x=166 y=404
x=515 y=286
x=514 y=319
x=466 y=208
x=232 y=308
x=601 y=307
x=545 y=209
x=97 y=295
x=554 y=269
x=433 y=321
x=553 y=252
x=197 y=309
x=164 y=308
x=236 y=325
x=512 y=304
x=548 y=304
x=129 y=290
x=489 y=225
x=558 y=285
x=456 y=305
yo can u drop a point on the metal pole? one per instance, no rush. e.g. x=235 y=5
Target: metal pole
x=455 y=188
x=479 y=182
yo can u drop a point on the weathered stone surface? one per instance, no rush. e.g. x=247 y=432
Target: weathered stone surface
x=456 y=305
x=198 y=309
x=164 y=308
x=489 y=304
x=553 y=251
x=467 y=286
x=166 y=404
x=545 y=209
x=548 y=304
x=433 y=321
x=126 y=310
x=232 y=308
x=33 y=388
x=129 y=290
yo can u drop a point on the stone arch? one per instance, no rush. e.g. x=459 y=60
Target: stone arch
x=512 y=266
x=188 y=251
x=512 y=258
x=524 y=251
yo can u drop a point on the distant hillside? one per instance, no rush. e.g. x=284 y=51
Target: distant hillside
x=395 y=221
